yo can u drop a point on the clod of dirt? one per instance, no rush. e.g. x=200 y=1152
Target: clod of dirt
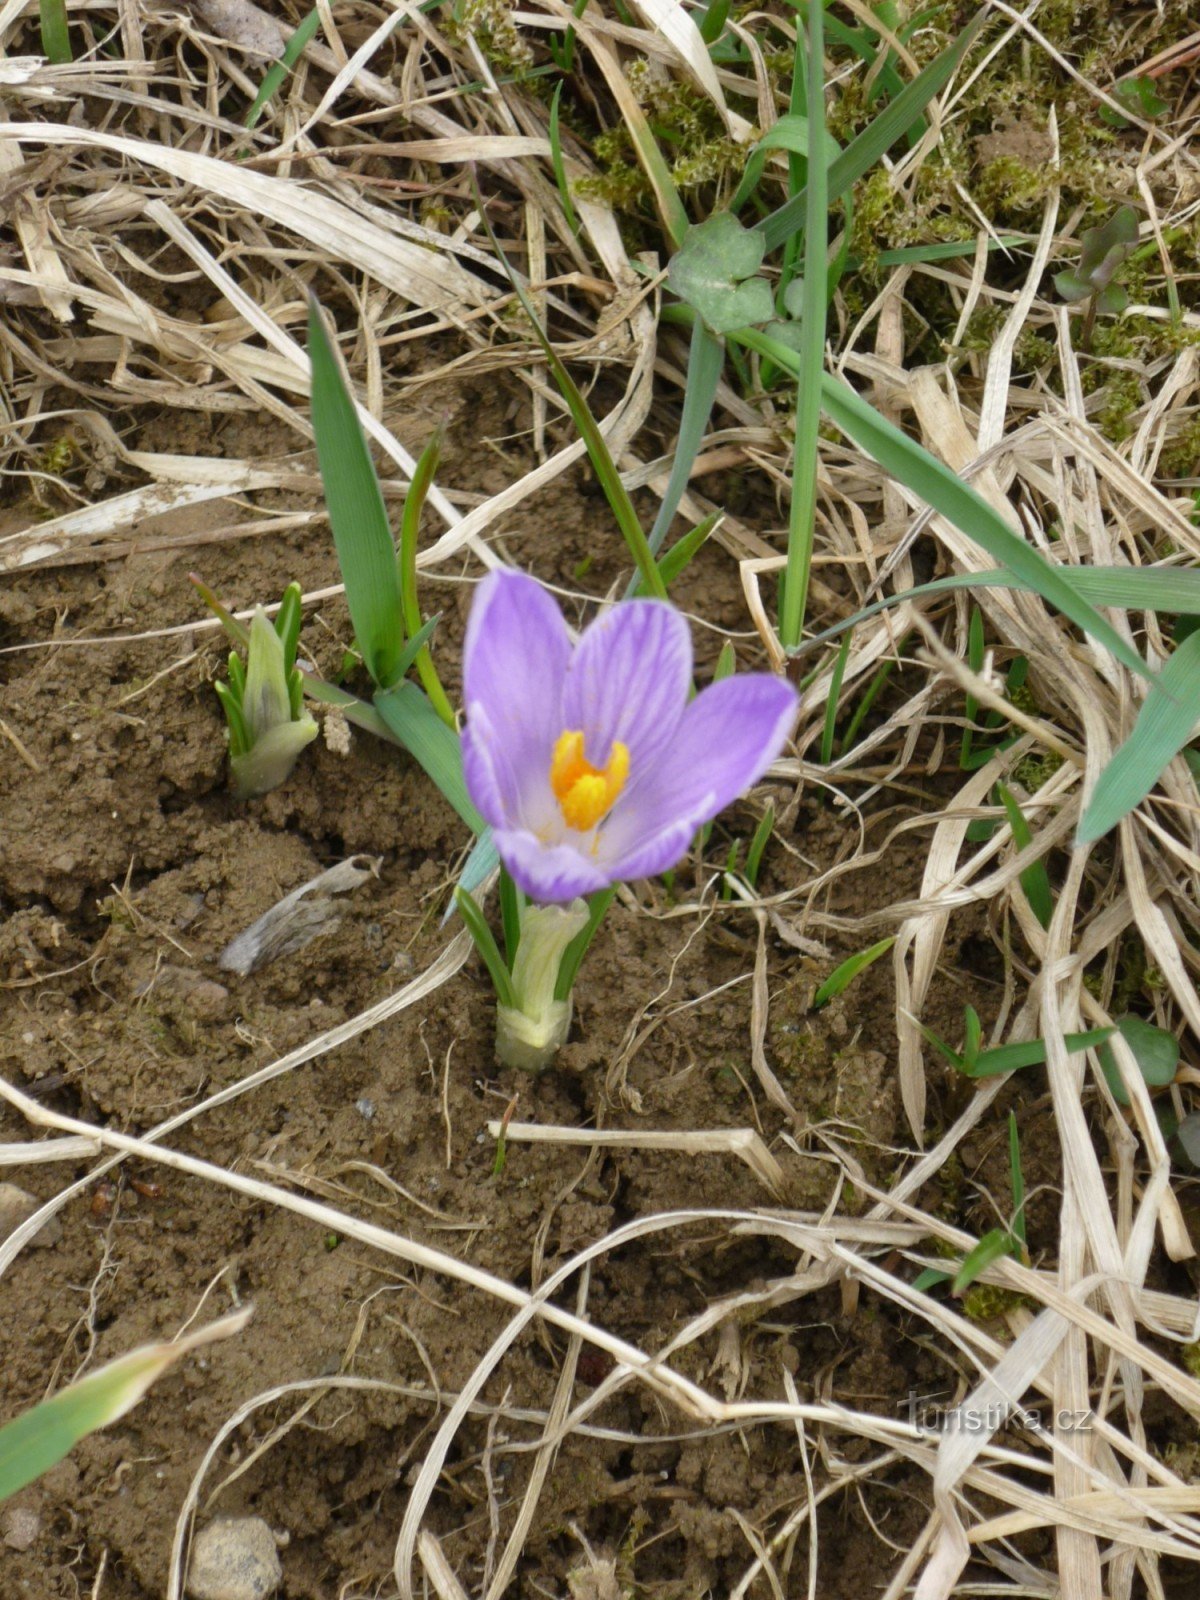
x=19 y=1527
x=234 y=1559
x=16 y=1206
x=1012 y=138
x=596 y=1581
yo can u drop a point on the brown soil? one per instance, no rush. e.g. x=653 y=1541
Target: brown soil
x=125 y=867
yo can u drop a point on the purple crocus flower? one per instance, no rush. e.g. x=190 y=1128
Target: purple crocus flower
x=588 y=760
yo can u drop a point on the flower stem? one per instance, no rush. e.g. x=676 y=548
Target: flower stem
x=532 y=1029
x=598 y=904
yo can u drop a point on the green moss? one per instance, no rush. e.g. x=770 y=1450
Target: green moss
x=988 y=1302
x=1032 y=771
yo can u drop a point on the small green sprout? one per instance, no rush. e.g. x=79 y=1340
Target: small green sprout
x=973 y=1061
x=1010 y=1240
x=1103 y=251
x=842 y=976
x=264 y=702
x=1139 y=96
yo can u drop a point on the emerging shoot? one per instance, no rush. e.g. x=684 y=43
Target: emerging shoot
x=264 y=702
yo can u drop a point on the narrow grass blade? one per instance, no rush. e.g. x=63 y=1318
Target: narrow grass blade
x=1166 y=722
x=876 y=140
x=705 y=360
x=410 y=524
x=789 y=133
x=40 y=1437
x=485 y=943
x=603 y=464
x=357 y=514
x=237 y=631
x=712 y=23
x=866 y=46
x=56 y=39
x=670 y=207
x=480 y=863
x=941 y=488
x=287 y=622
x=511 y=901
x=1017 y=1178
x=681 y=552
x=556 y=161
x=811 y=360
x=1028 y=1053
x=410 y=717
x=938 y=486
x=831 y=704
x=239 y=734
x=1175 y=590
x=757 y=845
x=1035 y=880
x=929 y=1279
x=943 y=250
x=872 y=692
x=842 y=976
x=278 y=71
x=995 y=1244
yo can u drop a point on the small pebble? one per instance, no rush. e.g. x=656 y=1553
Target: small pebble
x=18 y=1204
x=365 y=1108
x=234 y=1559
x=19 y=1527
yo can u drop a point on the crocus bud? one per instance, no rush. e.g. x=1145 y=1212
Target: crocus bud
x=263 y=703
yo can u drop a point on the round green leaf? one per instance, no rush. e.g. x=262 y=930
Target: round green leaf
x=1154 y=1049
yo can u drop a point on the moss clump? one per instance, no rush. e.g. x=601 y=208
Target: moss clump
x=490 y=23
x=1032 y=771
x=1122 y=397
x=621 y=183
x=989 y=1302
x=1181 y=458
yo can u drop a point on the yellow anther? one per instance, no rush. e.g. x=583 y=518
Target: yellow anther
x=584 y=792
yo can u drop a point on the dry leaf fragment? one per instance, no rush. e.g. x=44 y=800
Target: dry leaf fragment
x=297 y=919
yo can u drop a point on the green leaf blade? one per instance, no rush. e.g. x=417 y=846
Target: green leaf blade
x=861 y=154
x=413 y=721
x=357 y=515
x=1166 y=722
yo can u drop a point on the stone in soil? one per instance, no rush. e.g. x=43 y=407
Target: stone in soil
x=234 y=1559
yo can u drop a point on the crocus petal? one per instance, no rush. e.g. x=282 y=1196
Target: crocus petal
x=629 y=680
x=547 y=873
x=725 y=741
x=487 y=771
x=652 y=854
x=514 y=660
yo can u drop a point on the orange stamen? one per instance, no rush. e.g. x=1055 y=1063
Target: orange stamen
x=586 y=793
